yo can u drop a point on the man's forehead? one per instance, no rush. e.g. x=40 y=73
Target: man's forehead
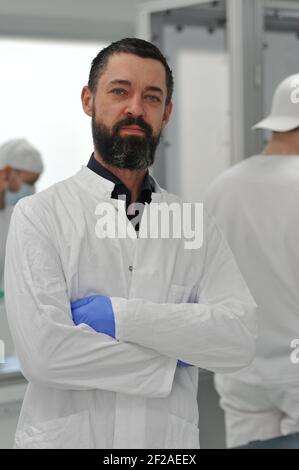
x=125 y=66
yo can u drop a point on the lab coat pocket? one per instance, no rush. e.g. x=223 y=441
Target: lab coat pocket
x=69 y=432
x=179 y=294
x=181 y=434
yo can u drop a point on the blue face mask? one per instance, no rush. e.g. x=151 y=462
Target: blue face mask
x=12 y=198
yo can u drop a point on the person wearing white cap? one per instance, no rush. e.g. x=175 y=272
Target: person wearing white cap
x=256 y=204
x=20 y=155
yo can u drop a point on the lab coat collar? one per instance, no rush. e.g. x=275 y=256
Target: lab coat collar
x=101 y=187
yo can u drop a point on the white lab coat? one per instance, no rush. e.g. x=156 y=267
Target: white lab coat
x=88 y=390
x=255 y=204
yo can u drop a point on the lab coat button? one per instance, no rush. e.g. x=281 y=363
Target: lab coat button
x=131 y=268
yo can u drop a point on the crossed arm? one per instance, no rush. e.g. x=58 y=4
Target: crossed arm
x=97 y=312
x=54 y=352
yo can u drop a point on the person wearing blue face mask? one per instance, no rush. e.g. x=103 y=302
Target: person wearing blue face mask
x=24 y=159
x=25 y=190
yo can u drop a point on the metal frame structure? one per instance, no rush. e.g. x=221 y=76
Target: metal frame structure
x=245 y=33
x=245 y=21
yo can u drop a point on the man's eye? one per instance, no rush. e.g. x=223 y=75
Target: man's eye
x=153 y=98
x=118 y=91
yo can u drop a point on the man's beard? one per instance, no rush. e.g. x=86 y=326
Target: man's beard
x=131 y=152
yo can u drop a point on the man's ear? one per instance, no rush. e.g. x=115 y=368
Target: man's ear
x=167 y=113
x=87 y=100
x=7 y=171
x=5 y=174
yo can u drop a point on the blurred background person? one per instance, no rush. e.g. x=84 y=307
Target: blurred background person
x=26 y=161
x=20 y=167
x=10 y=180
x=256 y=204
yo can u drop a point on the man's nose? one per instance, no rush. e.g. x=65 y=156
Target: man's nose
x=135 y=106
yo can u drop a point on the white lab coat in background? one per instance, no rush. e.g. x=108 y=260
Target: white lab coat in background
x=86 y=389
x=5 y=215
x=256 y=204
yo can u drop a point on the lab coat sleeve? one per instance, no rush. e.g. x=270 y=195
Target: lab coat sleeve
x=217 y=334
x=52 y=351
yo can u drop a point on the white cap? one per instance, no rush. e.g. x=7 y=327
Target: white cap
x=21 y=155
x=284 y=114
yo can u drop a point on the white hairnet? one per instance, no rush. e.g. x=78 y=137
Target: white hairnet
x=21 y=155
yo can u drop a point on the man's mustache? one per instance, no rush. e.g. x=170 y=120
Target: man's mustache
x=130 y=121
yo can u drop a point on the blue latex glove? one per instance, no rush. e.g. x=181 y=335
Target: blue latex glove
x=95 y=311
x=183 y=364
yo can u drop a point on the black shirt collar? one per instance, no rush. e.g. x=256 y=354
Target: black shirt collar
x=120 y=190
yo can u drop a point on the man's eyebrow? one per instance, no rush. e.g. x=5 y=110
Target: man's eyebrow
x=128 y=83
x=120 y=82
x=154 y=88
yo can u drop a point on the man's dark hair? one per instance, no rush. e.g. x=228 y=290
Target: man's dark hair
x=134 y=46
